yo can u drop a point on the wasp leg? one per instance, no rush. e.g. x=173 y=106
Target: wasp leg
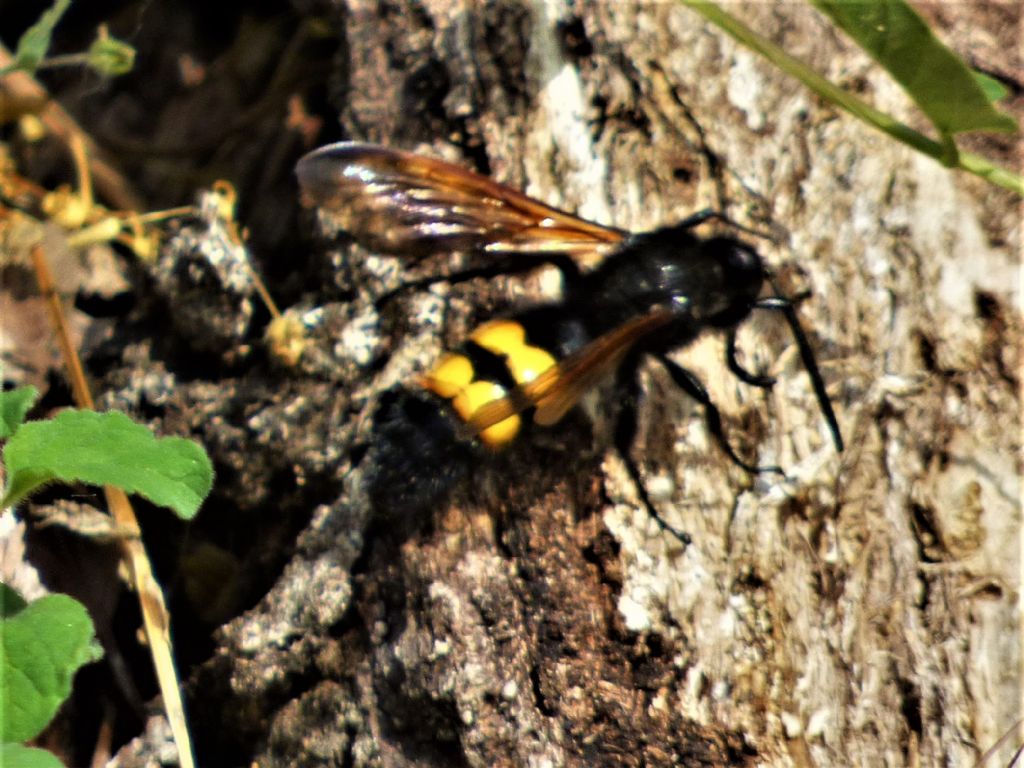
x=690 y=384
x=522 y=264
x=741 y=373
x=625 y=431
x=788 y=308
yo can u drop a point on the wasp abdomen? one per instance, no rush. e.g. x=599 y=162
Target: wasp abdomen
x=495 y=359
x=417 y=456
x=423 y=445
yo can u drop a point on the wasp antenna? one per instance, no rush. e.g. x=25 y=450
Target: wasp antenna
x=699 y=217
x=707 y=214
x=788 y=308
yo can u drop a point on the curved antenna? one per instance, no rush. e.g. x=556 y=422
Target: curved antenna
x=708 y=214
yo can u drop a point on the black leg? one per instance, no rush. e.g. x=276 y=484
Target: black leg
x=756 y=380
x=690 y=384
x=787 y=307
x=625 y=431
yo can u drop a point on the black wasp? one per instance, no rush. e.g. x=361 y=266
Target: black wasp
x=626 y=296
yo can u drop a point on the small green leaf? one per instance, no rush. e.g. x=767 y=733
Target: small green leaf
x=17 y=756
x=10 y=603
x=107 y=449
x=994 y=90
x=13 y=407
x=41 y=648
x=110 y=56
x=941 y=84
x=34 y=44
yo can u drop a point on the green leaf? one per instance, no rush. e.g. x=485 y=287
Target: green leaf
x=34 y=44
x=863 y=111
x=17 y=756
x=110 y=56
x=994 y=90
x=41 y=648
x=107 y=449
x=14 y=404
x=943 y=86
x=10 y=602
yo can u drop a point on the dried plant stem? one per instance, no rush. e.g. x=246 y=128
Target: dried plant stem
x=155 y=617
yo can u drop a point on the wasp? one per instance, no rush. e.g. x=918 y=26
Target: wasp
x=627 y=297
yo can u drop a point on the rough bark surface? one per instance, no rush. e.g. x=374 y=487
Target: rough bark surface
x=863 y=611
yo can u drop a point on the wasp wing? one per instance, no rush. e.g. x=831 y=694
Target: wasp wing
x=409 y=205
x=555 y=391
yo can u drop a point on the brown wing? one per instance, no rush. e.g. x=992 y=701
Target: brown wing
x=410 y=205
x=561 y=386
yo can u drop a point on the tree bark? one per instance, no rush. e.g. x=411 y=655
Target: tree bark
x=862 y=611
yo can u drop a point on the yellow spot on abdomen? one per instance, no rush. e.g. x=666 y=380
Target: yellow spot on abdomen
x=527 y=363
x=450 y=376
x=477 y=395
x=499 y=336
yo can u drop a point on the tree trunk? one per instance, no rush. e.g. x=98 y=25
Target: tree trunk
x=864 y=610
